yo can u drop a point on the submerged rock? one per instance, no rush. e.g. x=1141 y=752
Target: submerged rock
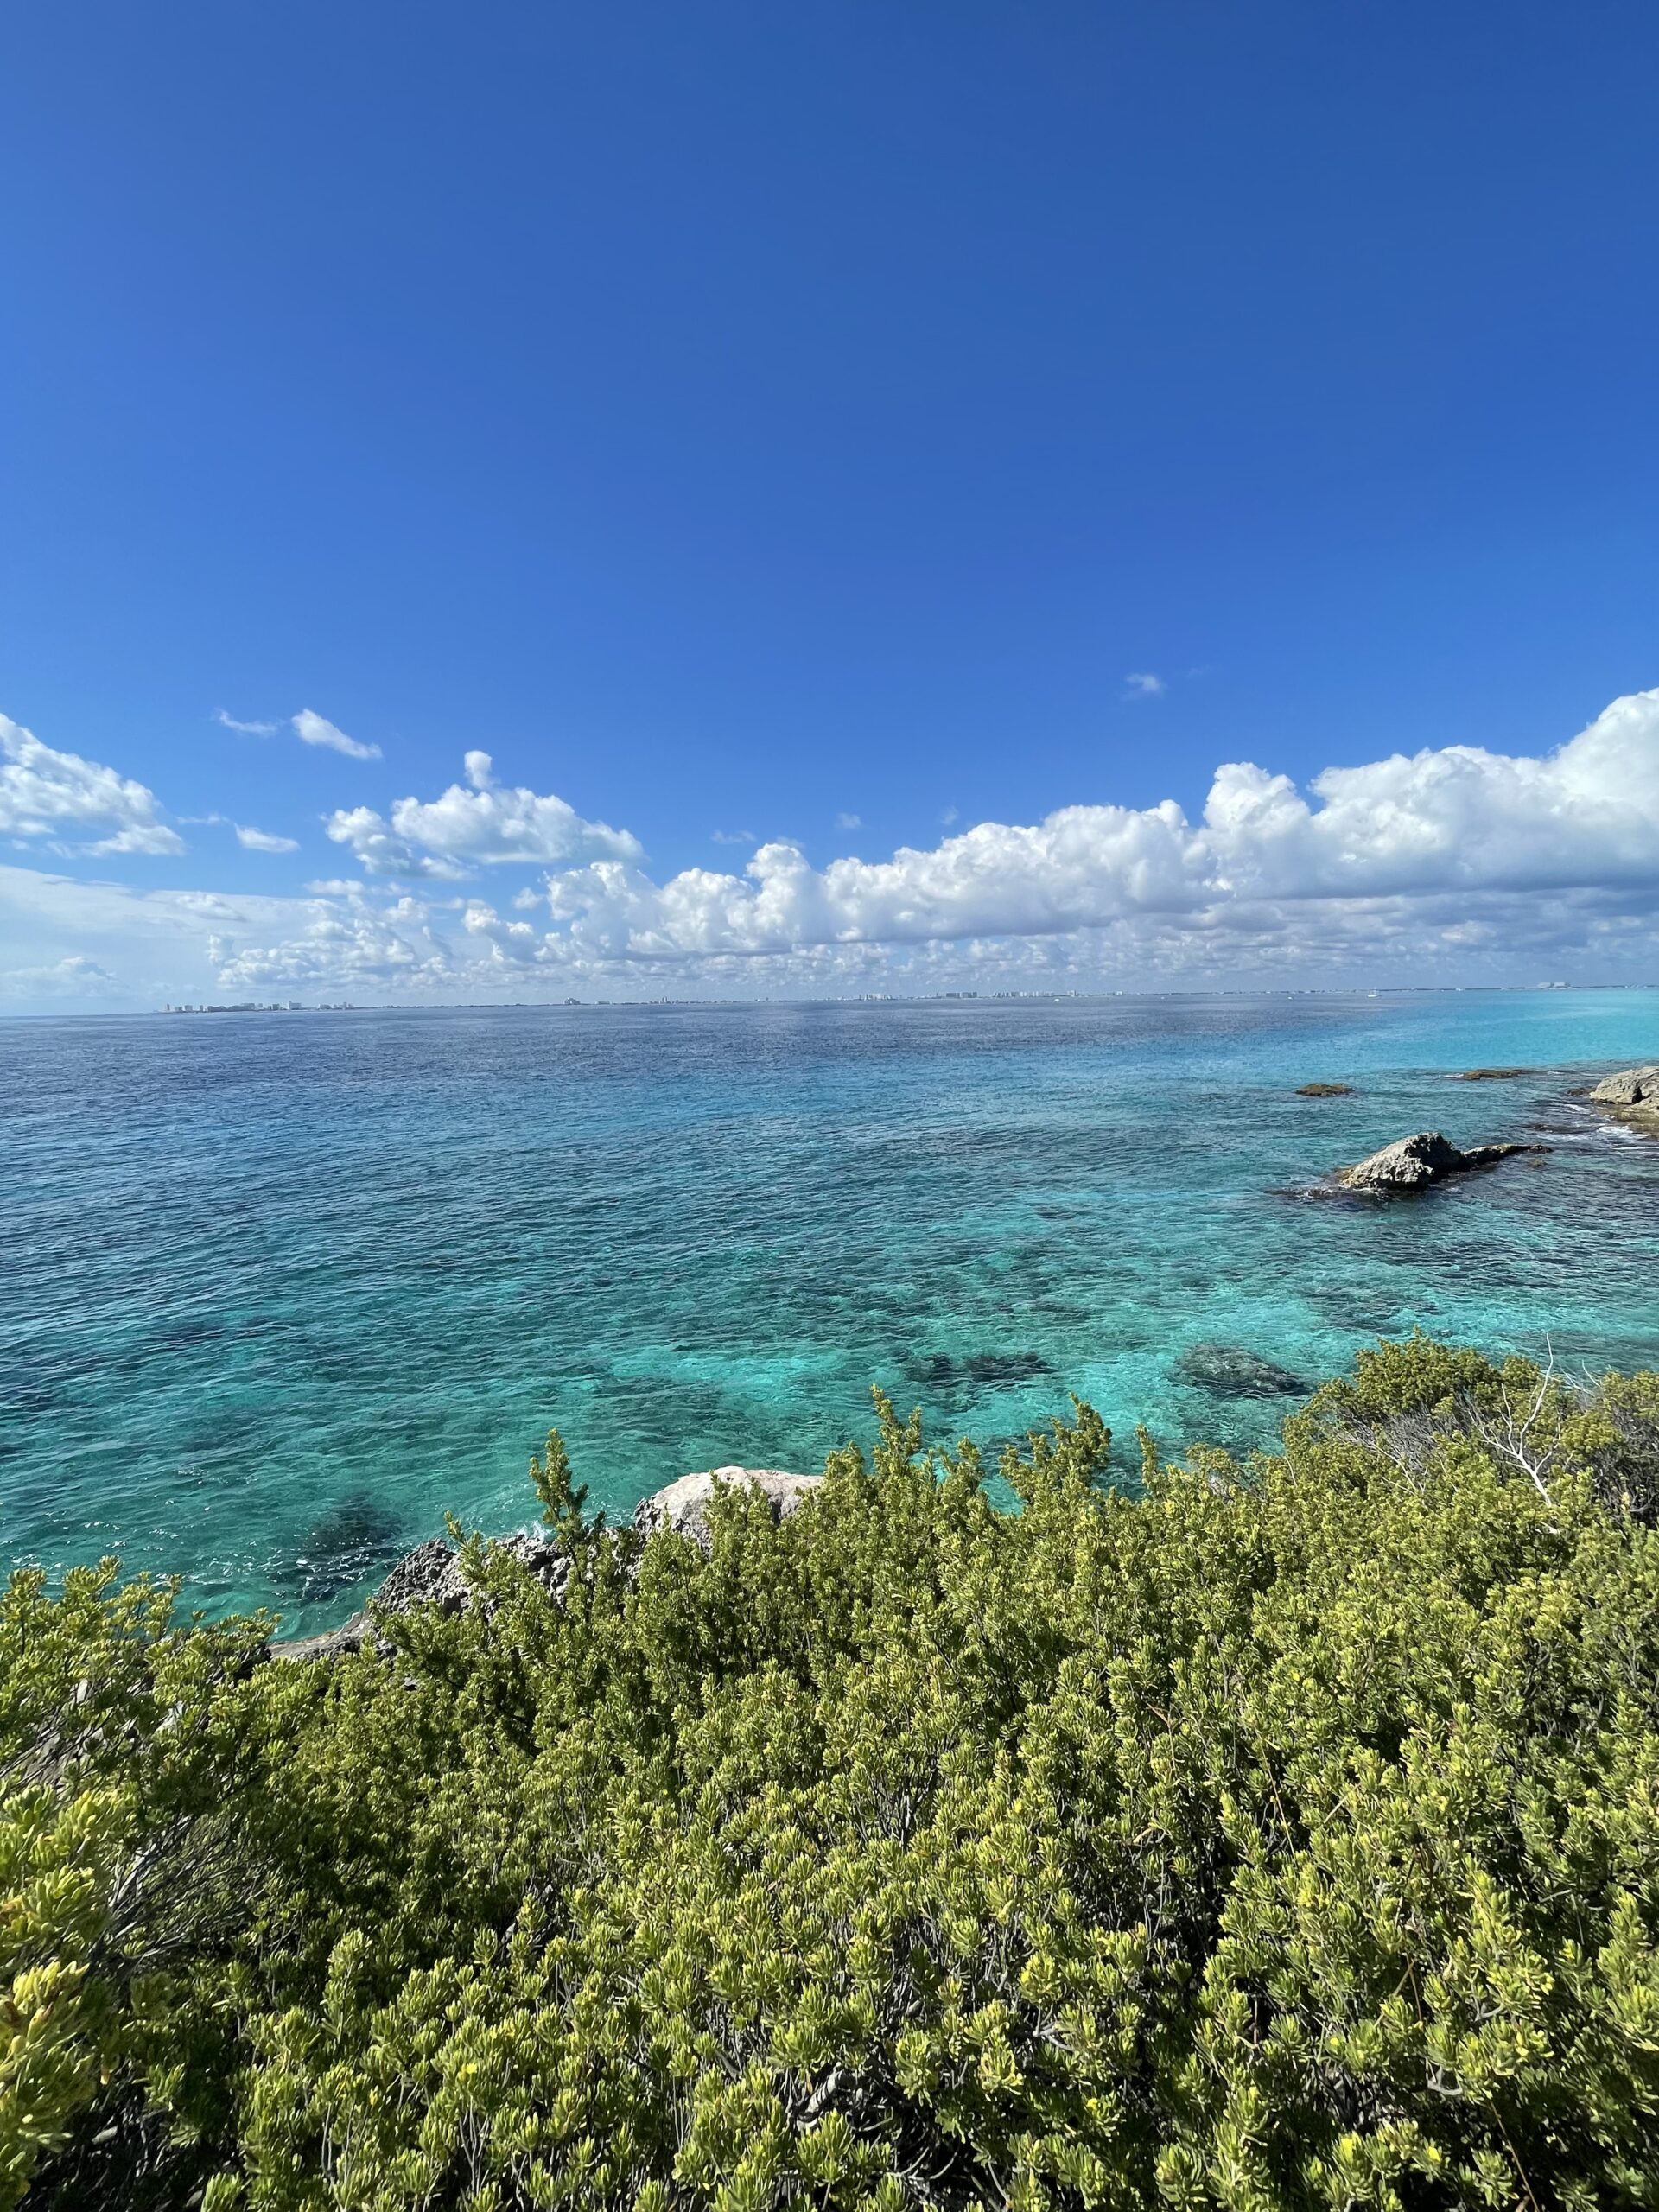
x=358 y=1536
x=1492 y=1075
x=1412 y=1163
x=1324 y=1090
x=938 y=1371
x=1227 y=1372
x=999 y=1366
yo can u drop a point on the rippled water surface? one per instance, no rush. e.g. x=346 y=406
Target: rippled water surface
x=279 y=1289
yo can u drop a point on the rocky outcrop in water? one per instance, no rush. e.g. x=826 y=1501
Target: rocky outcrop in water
x=684 y=1505
x=432 y=1574
x=1324 y=1090
x=1492 y=1075
x=1632 y=1095
x=1412 y=1163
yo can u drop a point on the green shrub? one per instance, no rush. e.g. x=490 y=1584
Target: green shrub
x=1271 y=1835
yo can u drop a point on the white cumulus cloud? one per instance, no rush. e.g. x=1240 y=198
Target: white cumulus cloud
x=1448 y=863
x=478 y=821
x=247 y=729
x=393 y=947
x=1455 y=821
x=264 y=840
x=378 y=850
x=45 y=794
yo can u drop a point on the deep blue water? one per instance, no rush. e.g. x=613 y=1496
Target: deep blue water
x=279 y=1289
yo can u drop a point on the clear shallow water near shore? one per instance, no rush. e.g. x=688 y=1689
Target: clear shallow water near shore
x=279 y=1289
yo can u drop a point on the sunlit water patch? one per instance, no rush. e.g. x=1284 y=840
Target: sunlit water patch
x=278 y=1290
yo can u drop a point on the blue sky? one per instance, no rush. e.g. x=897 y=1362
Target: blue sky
x=920 y=441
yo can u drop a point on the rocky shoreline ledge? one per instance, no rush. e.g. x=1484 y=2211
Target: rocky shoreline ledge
x=1631 y=1096
x=433 y=1574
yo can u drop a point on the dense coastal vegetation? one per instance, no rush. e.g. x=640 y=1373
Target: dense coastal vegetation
x=1268 y=1834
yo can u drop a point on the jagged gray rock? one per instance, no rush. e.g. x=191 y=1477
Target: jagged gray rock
x=684 y=1505
x=1629 y=1087
x=1631 y=1096
x=432 y=1574
x=421 y=1577
x=1412 y=1163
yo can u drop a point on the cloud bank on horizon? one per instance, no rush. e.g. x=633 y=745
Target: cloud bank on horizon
x=1450 y=863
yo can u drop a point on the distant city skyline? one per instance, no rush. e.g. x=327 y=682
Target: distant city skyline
x=642 y=501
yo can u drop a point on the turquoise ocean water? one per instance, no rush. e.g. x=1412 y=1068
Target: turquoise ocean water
x=278 y=1290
